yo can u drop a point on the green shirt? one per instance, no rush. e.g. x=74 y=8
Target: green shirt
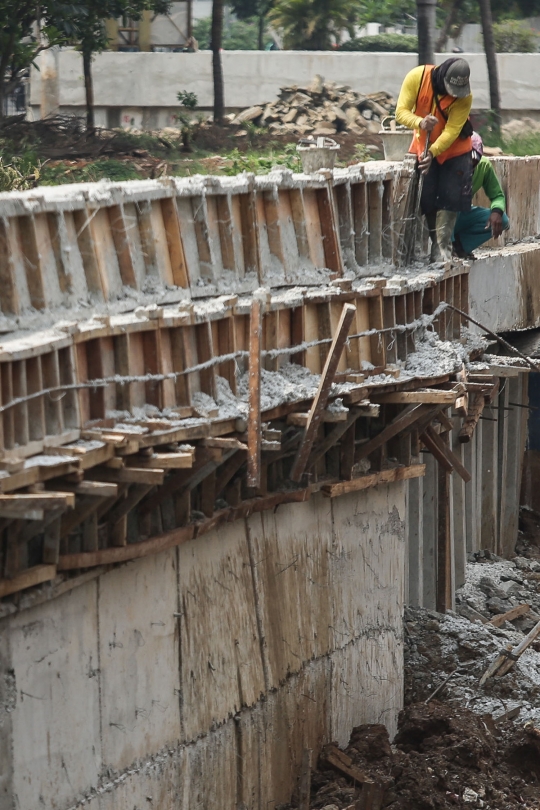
x=484 y=177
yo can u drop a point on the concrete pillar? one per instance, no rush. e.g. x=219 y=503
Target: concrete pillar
x=477 y=514
x=416 y=542
x=430 y=532
x=50 y=90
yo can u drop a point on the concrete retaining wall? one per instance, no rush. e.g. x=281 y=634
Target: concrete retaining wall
x=195 y=678
x=252 y=77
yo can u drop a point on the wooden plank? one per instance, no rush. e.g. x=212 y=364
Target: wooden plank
x=444 y=455
x=254 y=418
x=332 y=438
x=332 y=757
x=329 y=231
x=304 y=791
x=510 y=615
x=321 y=398
x=164 y=461
x=90 y=539
x=374 y=479
x=445 y=584
x=174 y=242
x=94 y=488
x=132 y=551
x=51 y=542
x=420 y=396
x=401 y=422
x=208 y=494
x=119 y=511
x=27 y=579
x=18 y=505
x=127 y=475
x=475 y=411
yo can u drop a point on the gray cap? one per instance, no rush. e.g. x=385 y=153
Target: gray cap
x=456 y=80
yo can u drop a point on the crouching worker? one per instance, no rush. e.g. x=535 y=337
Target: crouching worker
x=476 y=226
x=435 y=102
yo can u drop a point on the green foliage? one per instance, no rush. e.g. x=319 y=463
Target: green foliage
x=187 y=99
x=514 y=36
x=104 y=169
x=387 y=12
x=313 y=25
x=238 y=35
x=393 y=43
x=19 y=174
x=262 y=164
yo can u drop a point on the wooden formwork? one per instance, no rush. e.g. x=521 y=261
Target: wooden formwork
x=200 y=236
x=106 y=452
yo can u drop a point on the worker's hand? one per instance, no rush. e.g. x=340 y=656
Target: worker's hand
x=429 y=122
x=495 y=224
x=424 y=164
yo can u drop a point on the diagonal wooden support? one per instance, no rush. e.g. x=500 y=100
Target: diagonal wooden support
x=444 y=455
x=321 y=398
x=404 y=420
x=254 y=418
x=333 y=437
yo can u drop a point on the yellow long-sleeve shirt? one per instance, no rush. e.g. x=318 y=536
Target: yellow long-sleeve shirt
x=458 y=112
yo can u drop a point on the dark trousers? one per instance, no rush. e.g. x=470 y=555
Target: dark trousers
x=448 y=186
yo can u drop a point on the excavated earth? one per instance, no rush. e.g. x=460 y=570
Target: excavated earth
x=464 y=745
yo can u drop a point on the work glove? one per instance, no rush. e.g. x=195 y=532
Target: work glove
x=424 y=164
x=495 y=224
x=429 y=122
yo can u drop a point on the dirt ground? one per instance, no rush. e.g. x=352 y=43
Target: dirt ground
x=458 y=744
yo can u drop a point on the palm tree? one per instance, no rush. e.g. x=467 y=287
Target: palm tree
x=313 y=25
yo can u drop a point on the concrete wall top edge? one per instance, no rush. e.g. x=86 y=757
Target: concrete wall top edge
x=253 y=77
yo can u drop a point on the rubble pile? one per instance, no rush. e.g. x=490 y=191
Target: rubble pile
x=459 y=743
x=442 y=757
x=323 y=108
x=464 y=643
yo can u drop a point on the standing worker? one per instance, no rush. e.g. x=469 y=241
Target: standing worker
x=476 y=226
x=436 y=102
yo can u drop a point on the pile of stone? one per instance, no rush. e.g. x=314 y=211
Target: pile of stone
x=323 y=108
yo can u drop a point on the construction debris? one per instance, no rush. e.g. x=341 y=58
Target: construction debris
x=442 y=757
x=323 y=108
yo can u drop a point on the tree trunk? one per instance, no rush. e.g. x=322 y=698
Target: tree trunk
x=217 y=67
x=2 y=97
x=426 y=31
x=261 y=31
x=89 y=90
x=449 y=23
x=491 y=59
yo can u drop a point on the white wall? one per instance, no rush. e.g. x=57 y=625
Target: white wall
x=251 y=77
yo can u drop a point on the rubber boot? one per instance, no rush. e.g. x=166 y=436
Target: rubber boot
x=445 y=228
x=431 y=221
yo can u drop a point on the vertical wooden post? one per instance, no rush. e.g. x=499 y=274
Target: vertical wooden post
x=305 y=781
x=254 y=418
x=444 y=540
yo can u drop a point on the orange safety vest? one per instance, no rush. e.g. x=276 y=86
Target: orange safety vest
x=425 y=105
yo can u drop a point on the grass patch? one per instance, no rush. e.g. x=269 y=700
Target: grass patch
x=104 y=169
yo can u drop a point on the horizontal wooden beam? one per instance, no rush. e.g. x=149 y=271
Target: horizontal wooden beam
x=419 y=397
x=27 y=579
x=374 y=479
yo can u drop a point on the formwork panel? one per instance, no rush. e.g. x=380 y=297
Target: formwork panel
x=139 y=659
x=221 y=667
x=367 y=562
x=56 y=727
x=291 y=548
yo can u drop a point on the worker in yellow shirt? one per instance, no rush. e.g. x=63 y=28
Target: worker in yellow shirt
x=436 y=102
